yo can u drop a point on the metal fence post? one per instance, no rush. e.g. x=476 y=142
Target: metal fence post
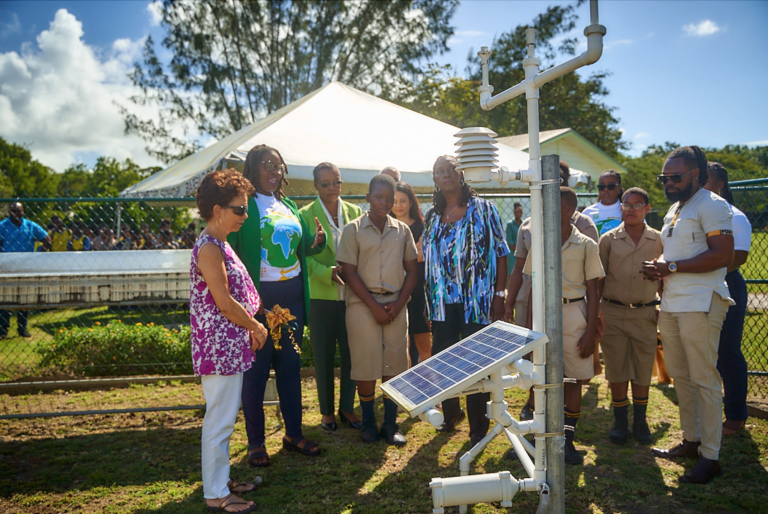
x=553 y=324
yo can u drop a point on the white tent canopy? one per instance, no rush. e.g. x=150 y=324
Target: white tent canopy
x=358 y=132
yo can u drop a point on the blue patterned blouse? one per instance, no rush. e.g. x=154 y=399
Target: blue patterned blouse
x=460 y=260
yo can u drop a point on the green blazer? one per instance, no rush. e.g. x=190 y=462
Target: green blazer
x=321 y=287
x=246 y=243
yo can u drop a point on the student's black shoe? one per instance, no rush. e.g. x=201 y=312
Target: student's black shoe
x=571 y=455
x=23 y=332
x=370 y=432
x=393 y=436
x=450 y=426
x=526 y=414
x=619 y=431
x=641 y=432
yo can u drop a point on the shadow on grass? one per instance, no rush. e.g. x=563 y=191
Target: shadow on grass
x=121 y=458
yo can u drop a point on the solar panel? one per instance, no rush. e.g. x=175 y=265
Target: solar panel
x=472 y=359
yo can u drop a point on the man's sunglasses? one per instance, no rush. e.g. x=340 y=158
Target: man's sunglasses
x=270 y=166
x=335 y=183
x=676 y=178
x=239 y=210
x=609 y=187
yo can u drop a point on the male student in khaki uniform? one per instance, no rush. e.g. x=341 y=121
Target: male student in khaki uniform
x=629 y=314
x=378 y=256
x=581 y=271
x=519 y=284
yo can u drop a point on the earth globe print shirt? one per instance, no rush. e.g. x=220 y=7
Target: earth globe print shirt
x=280 y=238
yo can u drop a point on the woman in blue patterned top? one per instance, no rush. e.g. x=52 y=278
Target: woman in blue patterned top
x=464 y=249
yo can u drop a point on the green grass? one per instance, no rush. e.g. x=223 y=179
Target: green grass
x=150 y=463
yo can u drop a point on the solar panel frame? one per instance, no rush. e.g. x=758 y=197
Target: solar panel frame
x=446 y=374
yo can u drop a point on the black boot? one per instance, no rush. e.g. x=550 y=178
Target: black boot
x=619 y=431
x=370 y=432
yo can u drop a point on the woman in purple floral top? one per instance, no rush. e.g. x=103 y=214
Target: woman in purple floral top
x=222 y=302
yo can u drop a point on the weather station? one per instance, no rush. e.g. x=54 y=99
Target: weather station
x=491 y=360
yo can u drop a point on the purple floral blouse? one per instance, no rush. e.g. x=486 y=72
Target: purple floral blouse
x=220 y=347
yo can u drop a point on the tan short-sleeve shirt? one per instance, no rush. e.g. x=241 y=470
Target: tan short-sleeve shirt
x=378 y=255
x=581 y=262
x=584 y=223
x=622 y=261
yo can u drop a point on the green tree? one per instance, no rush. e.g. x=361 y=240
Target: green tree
x=569 y=101
x=23 y=176
x=234 y=61
x=107 y=178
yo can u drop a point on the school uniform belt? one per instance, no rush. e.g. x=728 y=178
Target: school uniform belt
x=633 y=305
x=566 y=301
x=388 y=293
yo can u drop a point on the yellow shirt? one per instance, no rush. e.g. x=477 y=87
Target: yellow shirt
x=59 y=240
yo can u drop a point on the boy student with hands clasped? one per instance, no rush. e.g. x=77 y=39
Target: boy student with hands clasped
x=378 y=258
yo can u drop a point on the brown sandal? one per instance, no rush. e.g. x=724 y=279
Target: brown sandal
x=236 y=487
x=232 y=500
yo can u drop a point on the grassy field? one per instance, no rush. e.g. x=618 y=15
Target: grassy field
x=150 y=463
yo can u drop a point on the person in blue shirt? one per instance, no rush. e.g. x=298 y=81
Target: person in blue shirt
x=18 y=234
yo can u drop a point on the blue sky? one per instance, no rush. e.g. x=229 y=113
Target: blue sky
x=684 y=71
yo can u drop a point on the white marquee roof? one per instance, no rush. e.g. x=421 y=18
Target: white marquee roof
x=358 y=132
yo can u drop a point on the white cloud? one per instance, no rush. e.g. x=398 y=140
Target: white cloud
x=764 y=142
x=11 y=27
x=618 y=42
x=58 y=96
x=641 y=135
x=155 y=10
x=704 y=28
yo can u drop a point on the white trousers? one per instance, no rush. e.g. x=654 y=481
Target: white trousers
x=222 y=403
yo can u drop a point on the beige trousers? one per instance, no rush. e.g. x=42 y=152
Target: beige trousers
x=690 y=341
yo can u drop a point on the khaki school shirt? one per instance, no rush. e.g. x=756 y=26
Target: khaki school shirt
x=703 y=214
x=378 y=255
x=523 y=246
x=622 y=262
x=581 y=262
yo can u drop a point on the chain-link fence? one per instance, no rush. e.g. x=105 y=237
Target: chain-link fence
x=119 y=313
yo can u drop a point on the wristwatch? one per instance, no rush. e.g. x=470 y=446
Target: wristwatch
x=501 y=294
x=672 y=267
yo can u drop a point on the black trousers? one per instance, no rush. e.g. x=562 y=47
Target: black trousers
x=444 y=335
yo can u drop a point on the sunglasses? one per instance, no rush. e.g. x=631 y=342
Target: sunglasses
x=633 y=206
x=609 y=187
x=270 y=166
x=239 y=210
x=335 y=183
x=676 y=178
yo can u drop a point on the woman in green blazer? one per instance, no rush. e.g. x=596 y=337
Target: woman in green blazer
x=327 y=323
x=274 y=243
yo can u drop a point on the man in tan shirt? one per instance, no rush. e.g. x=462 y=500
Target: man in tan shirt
x=378 y=256
x=581 y=271
x=629 y=314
